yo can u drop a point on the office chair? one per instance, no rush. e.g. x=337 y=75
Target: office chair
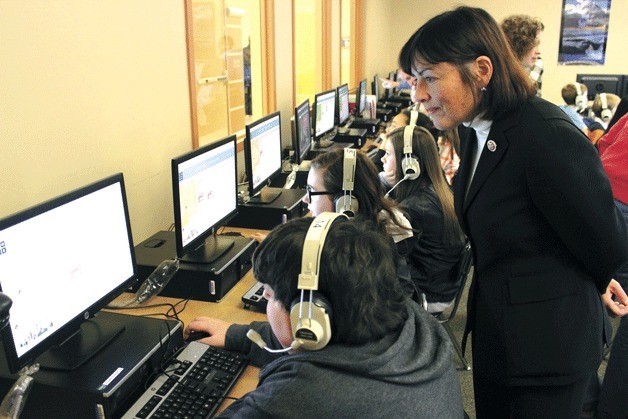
x=460 y=272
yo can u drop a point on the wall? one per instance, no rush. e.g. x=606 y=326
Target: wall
x=90 y=89
x=393 y=25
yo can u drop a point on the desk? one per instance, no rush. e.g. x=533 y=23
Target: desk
x=230 y=308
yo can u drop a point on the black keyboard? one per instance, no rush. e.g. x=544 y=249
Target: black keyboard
x=199 y=379
x=255 y=296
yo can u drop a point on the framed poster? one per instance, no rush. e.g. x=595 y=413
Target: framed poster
x=584 y=32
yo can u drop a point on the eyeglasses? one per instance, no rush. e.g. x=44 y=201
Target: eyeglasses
x=311 y=193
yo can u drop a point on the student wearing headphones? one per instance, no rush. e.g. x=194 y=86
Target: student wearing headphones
x=422 y=191
x=575 y=97
x=603 y=109
x=385 y=356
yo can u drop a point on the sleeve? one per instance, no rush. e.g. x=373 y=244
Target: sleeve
x=570 y=188
x=236 y=340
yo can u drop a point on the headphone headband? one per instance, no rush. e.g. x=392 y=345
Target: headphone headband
x=407 y=138
x=348 y=166
x=603 y=101
x=313 y=248
x=578 y=89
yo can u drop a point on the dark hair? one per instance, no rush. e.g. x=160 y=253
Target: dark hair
x=620 y=111
x=459 y=37
x=367 y=188
x=425 y=151
x=358 y=275
x=521 y=31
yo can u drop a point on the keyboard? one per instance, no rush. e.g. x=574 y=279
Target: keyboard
x=255 y=296
x=199 y=379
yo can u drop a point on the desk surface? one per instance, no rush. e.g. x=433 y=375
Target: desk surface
x=230 y=308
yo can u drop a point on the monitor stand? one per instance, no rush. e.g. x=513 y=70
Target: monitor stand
x=79 y=348
x=214 y=247
x=265 y=196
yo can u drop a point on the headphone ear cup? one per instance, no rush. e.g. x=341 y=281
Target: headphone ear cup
x=606 y=113
x=346 y=206
x=313 y=333
x=410 y=167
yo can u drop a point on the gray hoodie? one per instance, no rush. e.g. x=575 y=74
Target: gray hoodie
x=405 y=374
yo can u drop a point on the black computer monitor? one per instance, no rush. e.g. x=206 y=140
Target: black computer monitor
x=61 y=262
x=343 y=104
x=360 y=98
x=324 y=113
x=205 y=196
x=375 y=87
x=302 y=138
x=262 y=151
x=601 y=83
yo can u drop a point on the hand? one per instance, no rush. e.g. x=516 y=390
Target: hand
x=258 y=237
x=217 y=330
x=620 y=307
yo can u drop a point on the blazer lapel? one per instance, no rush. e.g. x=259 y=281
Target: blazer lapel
x=467 y=145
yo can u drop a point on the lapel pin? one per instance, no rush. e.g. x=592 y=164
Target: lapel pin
x=491 y=145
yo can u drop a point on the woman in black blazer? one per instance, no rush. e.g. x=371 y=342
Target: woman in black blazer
x=533 y=199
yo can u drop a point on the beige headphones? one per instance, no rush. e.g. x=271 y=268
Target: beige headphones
x=581 y=100
x=345 y=202
x=606 y=113
x=409 y=165
x=311 y=320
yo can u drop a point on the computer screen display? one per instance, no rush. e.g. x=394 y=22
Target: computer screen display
x=302 y=140
x=205 y=195
x=324 y=113
x=262 y=149
x=61 y=262
x=601 y=83
x=343 y=104
x=360 y=98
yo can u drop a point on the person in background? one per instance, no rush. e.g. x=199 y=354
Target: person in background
x=545 y=232
x=603 y=109
x=575 y=97
x=429 y=202
x=386 y=356
x=612 y=401
x=403 y=82
x=449 y=153
x=524 y=35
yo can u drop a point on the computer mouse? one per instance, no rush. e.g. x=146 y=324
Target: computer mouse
x=197 y=335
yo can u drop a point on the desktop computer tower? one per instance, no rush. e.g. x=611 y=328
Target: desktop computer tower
x=371 y=125
x=288 y=205
x=107 y=384
x=354 y=136
x=196 y=281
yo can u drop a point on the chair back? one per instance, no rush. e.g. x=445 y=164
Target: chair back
x=459 y=273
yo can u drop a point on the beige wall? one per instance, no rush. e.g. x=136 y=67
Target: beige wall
x=395 y=24
x=91 y=88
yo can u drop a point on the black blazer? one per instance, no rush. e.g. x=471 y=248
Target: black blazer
x=546 y=239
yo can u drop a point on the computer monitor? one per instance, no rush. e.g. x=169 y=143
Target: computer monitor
x=302 y=138
x=61 y=262
x=360 y=98
x=375 y=87
x=324 y=113
x=601 y=83
x=205 y=196
x=343 y=104
x=262 y=151
x=391 y=90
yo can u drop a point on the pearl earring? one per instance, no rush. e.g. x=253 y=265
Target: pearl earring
x=483 y=89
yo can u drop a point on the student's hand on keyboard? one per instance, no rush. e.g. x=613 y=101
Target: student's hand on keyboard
x=216 y=328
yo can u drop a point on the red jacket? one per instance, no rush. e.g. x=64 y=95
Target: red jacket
x=613 y=148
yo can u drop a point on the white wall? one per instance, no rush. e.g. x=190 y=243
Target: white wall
x=390 y=24
x=91 y=88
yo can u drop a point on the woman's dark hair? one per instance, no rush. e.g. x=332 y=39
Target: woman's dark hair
x=425 y=151
x=459 y=37
x=358 y=275
x=367 y=188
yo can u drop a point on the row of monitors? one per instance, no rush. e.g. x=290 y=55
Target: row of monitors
x=604 y=83
x=65 y=259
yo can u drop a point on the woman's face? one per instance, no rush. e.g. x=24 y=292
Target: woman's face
x=278 y=317
x=441 y=90
x=318 y=203
x=389 y=160
x=530 y=58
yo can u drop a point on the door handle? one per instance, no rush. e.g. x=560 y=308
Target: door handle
x=207 y=80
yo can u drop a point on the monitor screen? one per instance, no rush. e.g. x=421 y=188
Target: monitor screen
x=205 y=195
x=375 y=87
x=343 y=104
x=302 y=139
x=324 y=113
x=360 y=98
x=60 y=263
x=262 y=149
x=601 y=83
